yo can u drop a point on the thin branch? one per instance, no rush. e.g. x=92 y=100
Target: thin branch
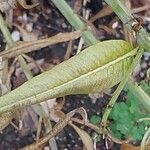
x=74 y=20
x=126 y=17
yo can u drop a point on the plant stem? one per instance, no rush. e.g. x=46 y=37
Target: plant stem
x=125 y=16
x=146 y=135
x=25 y=67
x=9 y=41
x=139 y=93
x=5 y=31
x=119 y=89
x=74 y=20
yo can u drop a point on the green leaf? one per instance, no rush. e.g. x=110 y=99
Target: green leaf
x=95 y=69
x=124 y=117
x=122 y=128
x=120 y=110
x=115 y=132
x=95 y=119
x=138 y=132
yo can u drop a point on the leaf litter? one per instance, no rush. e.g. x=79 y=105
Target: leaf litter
x=14 y=55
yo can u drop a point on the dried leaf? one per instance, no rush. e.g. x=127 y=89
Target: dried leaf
x=57 y=128
x=29 y=121
x=102 y=13
x=25 y=47
x=48 y=105
x=86 y=139
x=5 y=119
x=56 y=115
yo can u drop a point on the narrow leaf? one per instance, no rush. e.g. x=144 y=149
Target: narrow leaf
x=95 y=69
x=86 y=139
x=5 y=119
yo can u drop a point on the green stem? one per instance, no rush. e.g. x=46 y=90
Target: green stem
x=9 y=41
x=119 y=88
x=74 y=20
x=25 y=67
x=5 y=31
x=140 y=94
x=143 y=119
x=125 y=16
x=146 y=135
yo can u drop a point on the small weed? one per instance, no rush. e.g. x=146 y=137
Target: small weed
x=124 y=119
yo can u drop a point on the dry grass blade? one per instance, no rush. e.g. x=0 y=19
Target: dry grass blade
x=68 y=52
x=25 y=47
x=57 y=128
x=86 y=123
x=33 y=61
x=5 y=119
x=86 y=139
x=107 y=10
x=140 y=9
x=102 y=13
x=39 y=128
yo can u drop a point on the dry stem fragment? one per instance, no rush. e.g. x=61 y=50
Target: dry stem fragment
x=25 y=47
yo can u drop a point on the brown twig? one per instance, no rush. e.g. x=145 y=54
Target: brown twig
x=25 y=47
